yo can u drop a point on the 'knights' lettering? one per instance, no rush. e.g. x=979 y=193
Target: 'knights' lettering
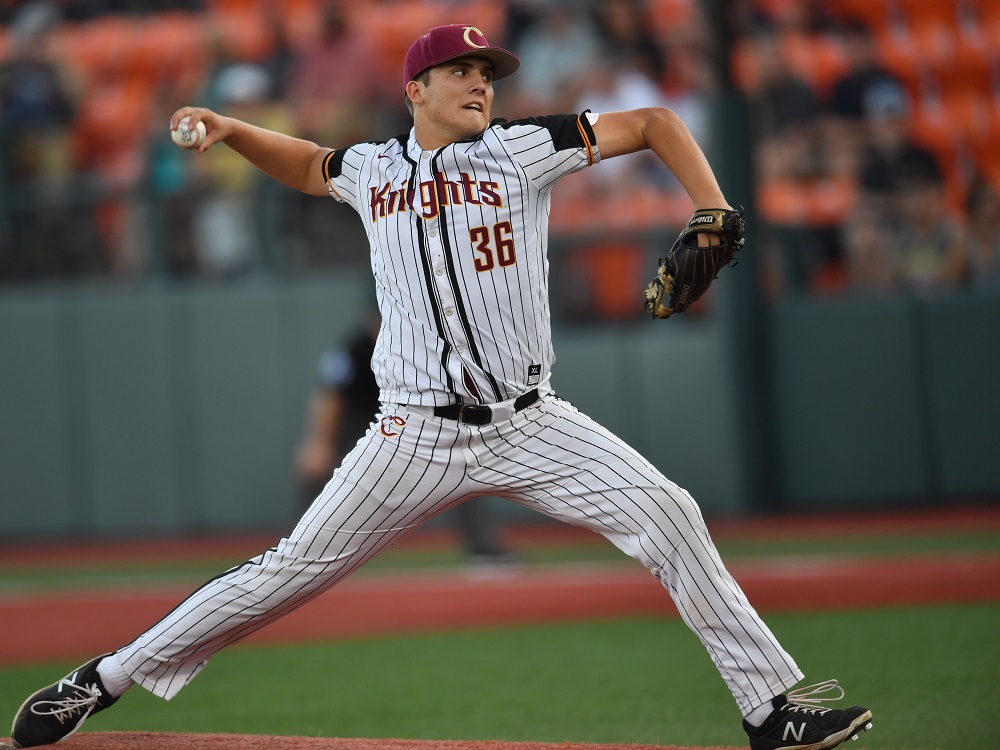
x=385 y=201
x=434 y=195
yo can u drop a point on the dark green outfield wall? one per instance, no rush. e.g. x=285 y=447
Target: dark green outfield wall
x=176 y=409
x=883 y=401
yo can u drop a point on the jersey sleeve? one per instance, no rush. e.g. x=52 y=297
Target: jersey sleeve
x=341 y=170
x=552 y=146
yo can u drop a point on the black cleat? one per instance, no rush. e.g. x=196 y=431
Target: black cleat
x=798 y=722
x=55 y=712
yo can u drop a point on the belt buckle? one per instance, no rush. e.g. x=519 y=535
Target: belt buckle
x=474 y=414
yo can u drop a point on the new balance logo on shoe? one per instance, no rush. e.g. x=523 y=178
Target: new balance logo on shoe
x=798 y=721
x=790 y=732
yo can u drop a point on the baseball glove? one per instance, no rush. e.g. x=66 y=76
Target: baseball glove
x=688 y=270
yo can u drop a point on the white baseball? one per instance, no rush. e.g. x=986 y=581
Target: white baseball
x=187 y=137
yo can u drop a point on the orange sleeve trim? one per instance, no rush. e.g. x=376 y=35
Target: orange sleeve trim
x=326 y=166
x=326 y=176
x=586 y=141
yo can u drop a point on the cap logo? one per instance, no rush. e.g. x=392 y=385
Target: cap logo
x=467 y=36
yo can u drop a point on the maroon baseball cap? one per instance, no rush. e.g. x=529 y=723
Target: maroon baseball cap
x=443 y=43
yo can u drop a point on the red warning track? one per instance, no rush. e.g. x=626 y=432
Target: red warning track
x=391 y=603
x=382 y=605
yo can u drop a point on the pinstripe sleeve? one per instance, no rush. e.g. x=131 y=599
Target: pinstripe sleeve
x=553 y=146
x=342 y=171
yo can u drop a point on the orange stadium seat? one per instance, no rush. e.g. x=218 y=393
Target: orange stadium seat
x=818 y=59
x=393 y=25
x=831 y=200
x=875 y=14
x=102 y=143
x=97 y=50
x=986 y=160
x=613 y=271
x=780 y=12
x=904 y=49
x=244 y=33
x=744 y=67
x=955 y=119
x=170 y=44
x=821 y=202
x=988 y=13
x=301 y=20
x=783 y=202
x=666 y=17
x=942 y=13
x=234 y=7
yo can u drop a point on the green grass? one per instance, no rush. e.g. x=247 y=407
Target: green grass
x=931 y=676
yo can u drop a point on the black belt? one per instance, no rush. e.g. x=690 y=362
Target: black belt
x=481 y=413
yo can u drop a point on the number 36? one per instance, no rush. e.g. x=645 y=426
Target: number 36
x=503 y=240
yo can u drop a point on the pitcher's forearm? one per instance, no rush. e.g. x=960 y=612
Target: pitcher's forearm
x=291 y=161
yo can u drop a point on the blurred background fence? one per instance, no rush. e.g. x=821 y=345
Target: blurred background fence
x=161 y=313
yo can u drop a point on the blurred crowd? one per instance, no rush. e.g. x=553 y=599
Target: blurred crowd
x=858 y=187
x=93 y=186
x=877 y=131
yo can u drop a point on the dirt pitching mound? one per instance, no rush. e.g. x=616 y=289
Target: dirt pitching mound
x=160 y=741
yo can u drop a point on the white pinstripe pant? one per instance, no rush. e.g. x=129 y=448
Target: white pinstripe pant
x=549 y=457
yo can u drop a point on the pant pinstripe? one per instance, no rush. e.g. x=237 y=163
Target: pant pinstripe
x=549 y=457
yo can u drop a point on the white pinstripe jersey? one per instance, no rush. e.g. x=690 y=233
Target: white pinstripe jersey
x=459 y=251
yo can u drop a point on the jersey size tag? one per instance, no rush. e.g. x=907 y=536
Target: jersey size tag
x=534 y=373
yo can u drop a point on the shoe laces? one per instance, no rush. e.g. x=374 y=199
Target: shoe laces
x=70 y=707
x=810 y=699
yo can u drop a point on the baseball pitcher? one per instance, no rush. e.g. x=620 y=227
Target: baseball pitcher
x=456 y=211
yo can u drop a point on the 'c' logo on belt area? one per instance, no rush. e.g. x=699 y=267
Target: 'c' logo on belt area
x=467 y=36
x=390 y=424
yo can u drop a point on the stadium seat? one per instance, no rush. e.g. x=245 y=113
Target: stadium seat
x=613 y=272
x=875 y=14
x=666 y=17
x=955 y=119
x=904 y=49
x=301 y=19
x=170 y=45
x=97 y=50
x=744 y=67
x=988 y=14
x=783 y=202
x=940 y=13
x=393 y=25
x=820 y=202
x=818 y=59
x=101 y=141
x=245 y=34
x=831 y=201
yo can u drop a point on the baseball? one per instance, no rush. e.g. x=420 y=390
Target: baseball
x=186 y=137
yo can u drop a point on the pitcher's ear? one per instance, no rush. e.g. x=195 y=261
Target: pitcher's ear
x=415 y=92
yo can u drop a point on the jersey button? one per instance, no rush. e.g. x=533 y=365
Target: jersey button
x=449 y=312
x=433 y=233
x=439 y=272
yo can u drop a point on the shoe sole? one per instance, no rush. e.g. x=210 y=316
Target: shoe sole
x=861 y=724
